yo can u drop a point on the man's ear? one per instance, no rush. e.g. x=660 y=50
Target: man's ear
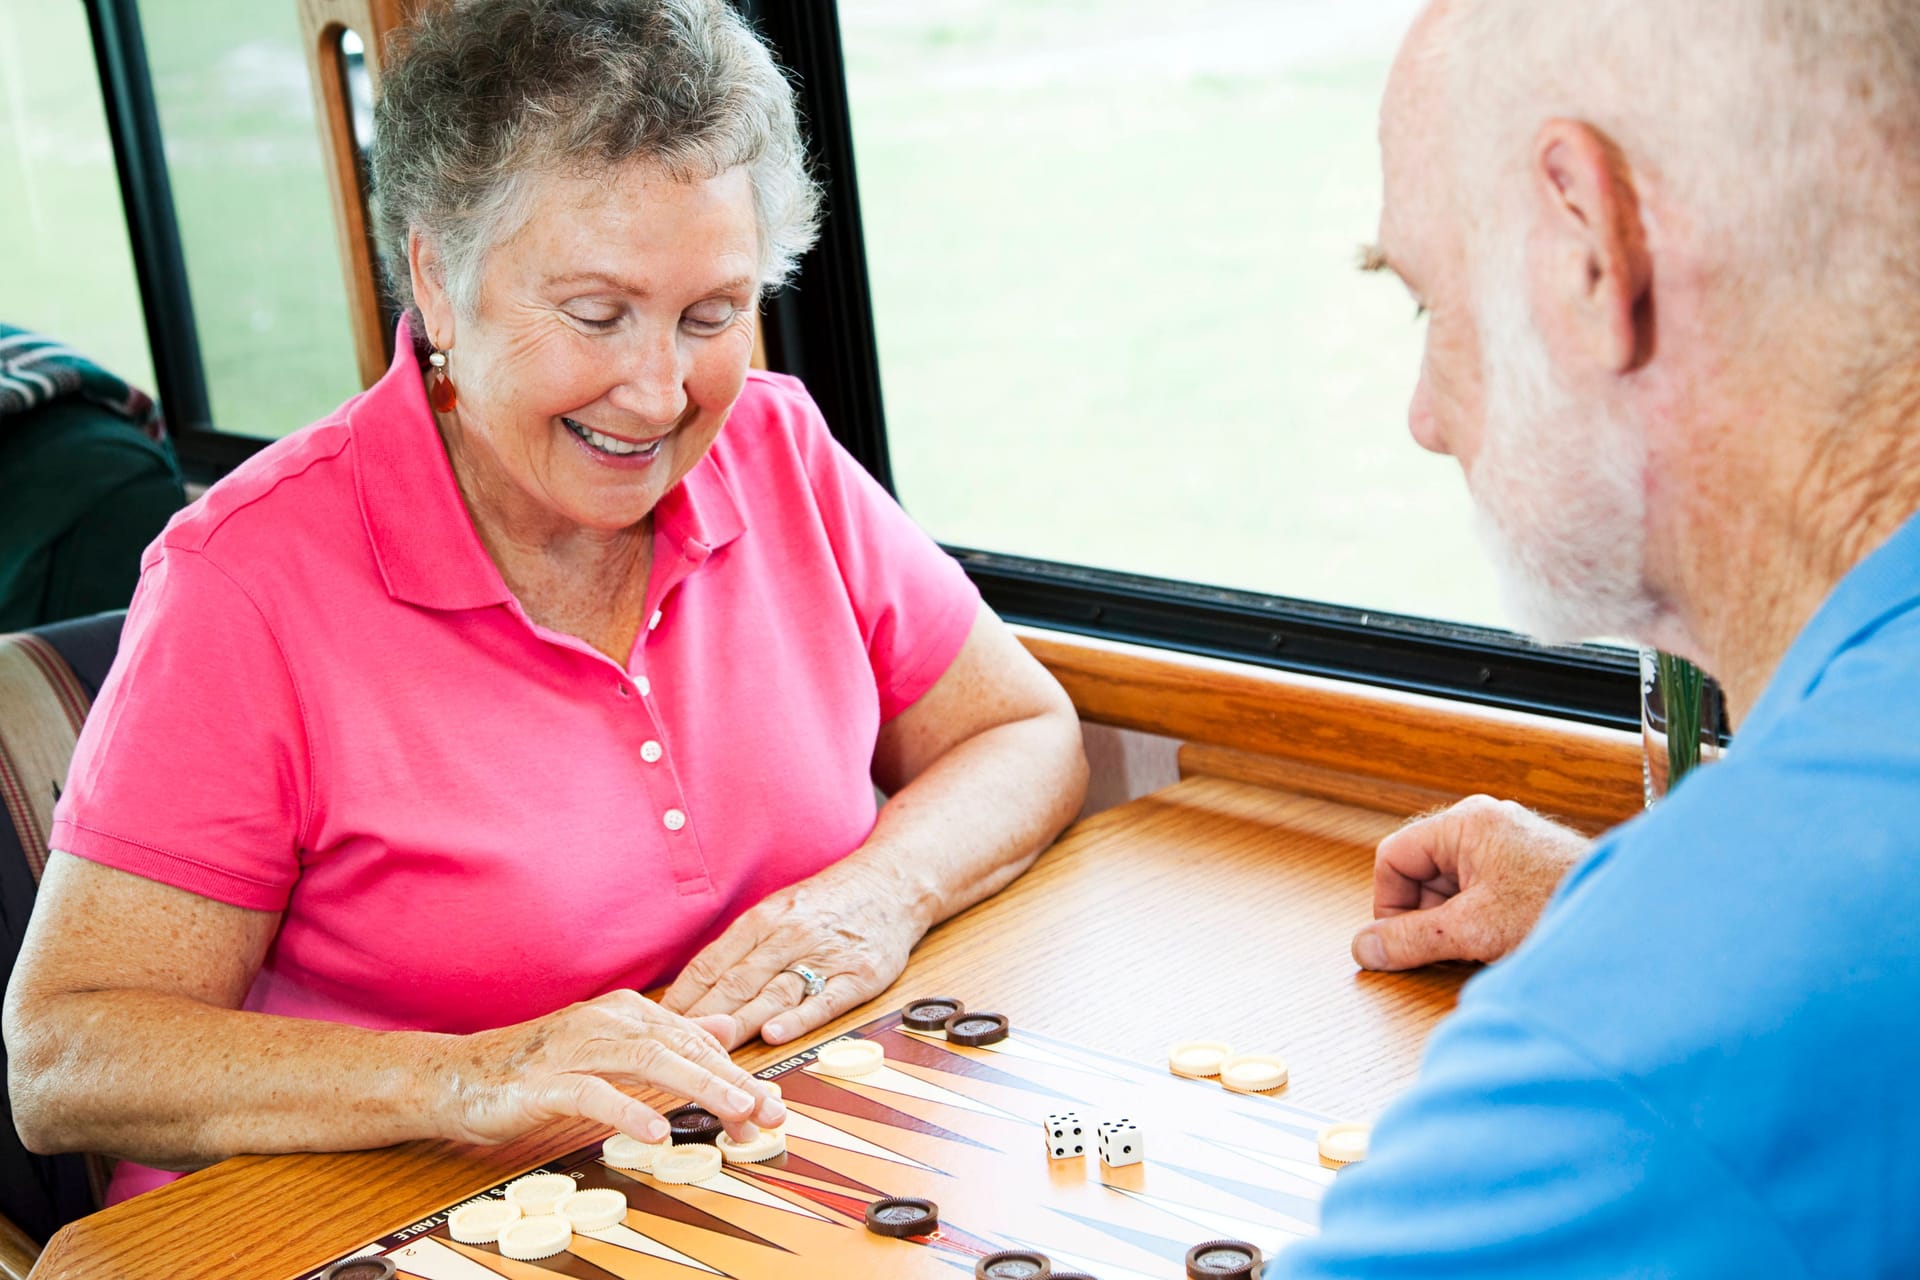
x=429 y=290
x=1592 y=267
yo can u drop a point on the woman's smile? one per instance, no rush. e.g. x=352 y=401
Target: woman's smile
x=614 y=450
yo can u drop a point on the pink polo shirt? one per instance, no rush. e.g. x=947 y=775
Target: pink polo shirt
x=327 y=704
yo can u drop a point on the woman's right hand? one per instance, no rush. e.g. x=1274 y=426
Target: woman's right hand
x=499 y=1084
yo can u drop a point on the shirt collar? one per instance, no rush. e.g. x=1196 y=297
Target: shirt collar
x=423 y=539
x=1883 y=585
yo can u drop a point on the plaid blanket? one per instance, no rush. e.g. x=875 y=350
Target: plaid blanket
x=36 y=370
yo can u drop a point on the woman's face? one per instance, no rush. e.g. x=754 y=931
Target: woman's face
x=610 y=338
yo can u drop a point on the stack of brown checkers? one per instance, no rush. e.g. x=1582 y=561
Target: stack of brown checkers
x=361 y=1269
x=1073 y=1275
x=977 y=1028
x=930 y=1014
x=1223 y=1260
x=903 y=1216
x=694 y=1124
x=1013 y=1264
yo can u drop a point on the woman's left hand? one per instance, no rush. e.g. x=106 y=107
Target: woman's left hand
x=982 y=771
x=848 y=927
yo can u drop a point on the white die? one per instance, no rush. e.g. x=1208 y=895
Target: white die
x=1066 y=1136
x=1121 y=1142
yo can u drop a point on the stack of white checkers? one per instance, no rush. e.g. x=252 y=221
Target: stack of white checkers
x=693 y=1161
x=1240 y=1072
x=537 y=1217
x=1340 y=1144
x=849 y=1059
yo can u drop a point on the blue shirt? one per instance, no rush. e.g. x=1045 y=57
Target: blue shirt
x=1705 y=1061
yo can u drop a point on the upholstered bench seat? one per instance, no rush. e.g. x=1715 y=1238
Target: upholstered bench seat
x=48 y=680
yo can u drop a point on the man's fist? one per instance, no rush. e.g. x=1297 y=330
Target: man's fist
x=1466 y=883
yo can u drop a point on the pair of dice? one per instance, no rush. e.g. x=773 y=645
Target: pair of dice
x=1119 y=1140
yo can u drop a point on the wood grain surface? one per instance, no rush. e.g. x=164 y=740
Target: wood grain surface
x=321 y=24
x=1579 y=773
x=17 y=1251
x=1213 y=909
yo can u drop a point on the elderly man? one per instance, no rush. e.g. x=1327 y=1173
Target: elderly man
x=1670 y=256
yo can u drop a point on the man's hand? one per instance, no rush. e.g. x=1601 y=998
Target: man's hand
x=1466 y=883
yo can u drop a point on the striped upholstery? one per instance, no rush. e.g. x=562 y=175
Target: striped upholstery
x=45 y=704
x=48 y=679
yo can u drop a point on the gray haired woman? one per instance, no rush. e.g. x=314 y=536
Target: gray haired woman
x=559 y=666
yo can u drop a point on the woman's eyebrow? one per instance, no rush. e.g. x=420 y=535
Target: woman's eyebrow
x=735 y=284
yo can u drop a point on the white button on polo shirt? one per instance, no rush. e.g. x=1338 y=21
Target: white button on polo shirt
x=650 y=751
x=674 y=819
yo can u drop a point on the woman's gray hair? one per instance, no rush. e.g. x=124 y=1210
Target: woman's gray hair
x=483 y=98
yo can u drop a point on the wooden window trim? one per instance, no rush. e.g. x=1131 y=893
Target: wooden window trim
x=1400 y=752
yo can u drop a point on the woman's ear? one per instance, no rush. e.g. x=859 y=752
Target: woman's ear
x=429 y=290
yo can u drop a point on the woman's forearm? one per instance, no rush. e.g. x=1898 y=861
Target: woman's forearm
x=976 y=818
x=168 y=1081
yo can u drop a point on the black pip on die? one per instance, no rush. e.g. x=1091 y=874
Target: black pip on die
x=1066 y=1136
x=1120 y=1142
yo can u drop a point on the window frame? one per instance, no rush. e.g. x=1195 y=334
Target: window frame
x=153 y=235
x=821 y=329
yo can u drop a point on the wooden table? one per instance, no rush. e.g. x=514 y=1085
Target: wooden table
x=1212 y=909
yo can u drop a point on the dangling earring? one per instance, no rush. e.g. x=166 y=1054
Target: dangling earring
x=440 y=393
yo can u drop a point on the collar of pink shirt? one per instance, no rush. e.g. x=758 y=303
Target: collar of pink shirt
x=423 y=539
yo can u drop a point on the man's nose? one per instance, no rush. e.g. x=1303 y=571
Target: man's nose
x=1421 y=420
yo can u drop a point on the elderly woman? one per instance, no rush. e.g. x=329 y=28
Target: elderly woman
x=561 y=663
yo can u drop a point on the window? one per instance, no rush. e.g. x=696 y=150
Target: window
x=69 y=272
x=255 y=220
x=1096 y=258
x=1112 y=254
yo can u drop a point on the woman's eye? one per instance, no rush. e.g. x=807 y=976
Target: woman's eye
x=594 y=321
x=711 y=317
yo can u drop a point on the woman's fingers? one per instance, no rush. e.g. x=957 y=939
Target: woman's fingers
x=720 y=1027
x=844 y=991
x=683 y=1058
x=712 y=965
x=759 y=970
x=782 y=992
x=577 y=1094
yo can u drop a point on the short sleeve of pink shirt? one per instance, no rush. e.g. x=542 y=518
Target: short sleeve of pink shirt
x=193 y=767
x=327 y=704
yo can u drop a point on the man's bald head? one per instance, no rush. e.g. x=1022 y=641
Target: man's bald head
x=1670 y=257
x=1786 y=134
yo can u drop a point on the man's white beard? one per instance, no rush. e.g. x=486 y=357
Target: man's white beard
x=1559 y=487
